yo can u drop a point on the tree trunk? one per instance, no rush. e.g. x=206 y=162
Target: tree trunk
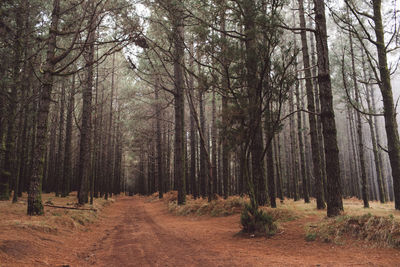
x=203 y=153
x=293 y=150
x=7 y=170
x=371 y=93
x=388 y=104
x=334 y=198
x=317 y=109
x=212 y=190
x=364 y=185
x=60 y=152
x=315 y=145
x=35 y=206
x=67 y=173
x=255 y=105
x=85 y=140
x=300 y=135
x=160 y=167
x=193 y=136
x=178 y=55
x=270 y=157
x=278 y=166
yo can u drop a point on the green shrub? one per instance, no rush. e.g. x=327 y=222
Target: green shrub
x=311 y=237
x=256 y=221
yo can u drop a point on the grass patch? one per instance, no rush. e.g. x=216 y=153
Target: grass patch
x=198 y=207
x=41 y=226
x=54 y=220
x=81 y=219
x=382 y=231
x=281 y=214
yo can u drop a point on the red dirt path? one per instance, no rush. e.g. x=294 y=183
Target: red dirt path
x=136 y=232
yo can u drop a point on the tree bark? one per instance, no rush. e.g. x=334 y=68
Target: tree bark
x=334 y=198
x=255 y=105
x=315 y=145
x=364 y=184
x=160 y=167
x=67 y=173
x=388 y=104
x=6 y=171
x=85 y=140
x=60 y=152
x=35 y=206
x=212 y=190
x=179 y=106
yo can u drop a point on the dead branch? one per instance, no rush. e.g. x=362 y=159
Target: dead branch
x=70 y=208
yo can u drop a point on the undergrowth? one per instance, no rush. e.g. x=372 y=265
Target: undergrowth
x=215 y=208
x=382 y=231
x=281 y=215
x=219 y=207
x=256 y=221
x=54 y=220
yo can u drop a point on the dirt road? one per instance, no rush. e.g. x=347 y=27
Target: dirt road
x=136 y=232
x=139 y=231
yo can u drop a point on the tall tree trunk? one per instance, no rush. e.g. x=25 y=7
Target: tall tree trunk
x=179 y=106
x=300 y=135
x=35 y=206
x=334 y=197
x=85 y=140
x=224 y=111
x=96 y=136
x=378 y=138
x=212 y=190
x=109 y=149
x=60 y=152
x=67 y=173
x=193 y=135
x=270 y=157
x=356 y=170
x=50 y=175
x=317 y=108
x=160 y=167
x=364 y=184
x=255 y=105
x=385 y=86
x=278 y=166
x=203 y=152
x=315 y=145
x=7 y=170
x=293 y=151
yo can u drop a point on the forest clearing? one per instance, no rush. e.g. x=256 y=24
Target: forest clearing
x=143 y=231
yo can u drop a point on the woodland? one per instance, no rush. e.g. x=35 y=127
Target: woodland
x=273 y=100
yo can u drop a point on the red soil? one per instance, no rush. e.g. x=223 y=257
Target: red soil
x=136 y=232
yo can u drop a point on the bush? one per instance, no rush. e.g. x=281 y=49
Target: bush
x=256 y=221
x=311 y=237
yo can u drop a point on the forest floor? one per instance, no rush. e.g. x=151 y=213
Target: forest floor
x=142 y=231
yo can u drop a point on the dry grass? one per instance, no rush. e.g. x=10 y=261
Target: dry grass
x=216 y=208
x=378 y=225
x=381 y=231
x=354 y=207
x=54 y=219
x=221 y=207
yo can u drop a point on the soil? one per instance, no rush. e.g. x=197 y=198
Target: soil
x=139 y=231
